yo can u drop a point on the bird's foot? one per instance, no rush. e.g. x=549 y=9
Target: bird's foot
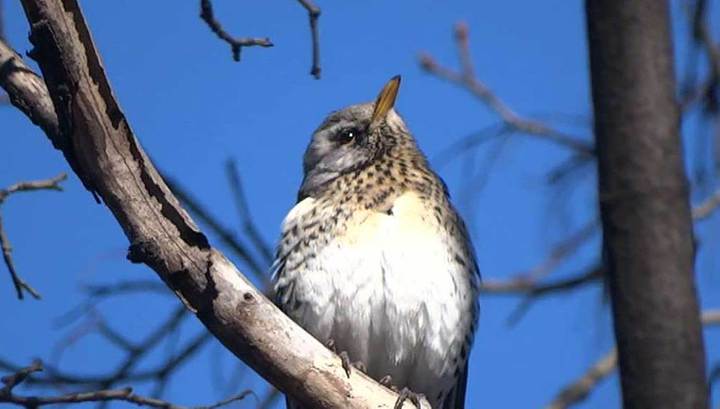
x=345 y=359
x=348 y=365
x=407 y=394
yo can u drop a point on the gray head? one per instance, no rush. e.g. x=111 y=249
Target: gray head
x=351 y=138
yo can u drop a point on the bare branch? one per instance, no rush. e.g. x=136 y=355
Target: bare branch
x=125 y=287
x=707 y=207
x=27 y=91
x=313 y=15
x=164 y=237
x=531 y=288
x=243 y=208
x=46 y=184
x=236 y=43
x=20 y=284
x=11 y=381
x=580 y=389
x=227 y=236
x=467 y=80
x=105 y=395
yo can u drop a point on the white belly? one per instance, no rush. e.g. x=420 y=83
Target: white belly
x=390 y=293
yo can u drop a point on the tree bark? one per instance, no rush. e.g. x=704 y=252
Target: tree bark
x=94 y=135
x=643 y=193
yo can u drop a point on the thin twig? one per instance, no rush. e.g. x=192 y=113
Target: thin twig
x=243 y=209
x=20 y=284
x=466 y=79
x=11 y=381
x=46 y=184
x=104 y=395
x=226 y=235
x=707 y=207
x=313 y=15
x=580 y=389
x=236 y=43
x=530 y=287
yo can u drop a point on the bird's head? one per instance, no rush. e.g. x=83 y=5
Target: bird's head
x=351 y=138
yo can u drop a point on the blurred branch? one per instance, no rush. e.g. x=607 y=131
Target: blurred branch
x=105 y=395
x=313 y=15
x=246 y=219
x=531 y=288
x=45 y=184
x=466 y=79
x=236 y=43
x=226 y=235
x=707 y=207
x=578 y=390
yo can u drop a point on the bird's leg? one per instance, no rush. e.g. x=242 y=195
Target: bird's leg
x=345 y=359
x=348 y=365
x=406 y=394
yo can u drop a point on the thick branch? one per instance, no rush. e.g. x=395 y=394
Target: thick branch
x=27 y=91
x=164 y=237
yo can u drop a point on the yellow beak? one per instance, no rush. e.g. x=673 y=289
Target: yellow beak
x=385 y=100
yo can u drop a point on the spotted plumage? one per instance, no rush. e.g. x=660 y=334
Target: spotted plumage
x=375 y=258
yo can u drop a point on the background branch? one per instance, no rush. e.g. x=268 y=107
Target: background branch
x=236 y=43
x=46 y=184
x=105 y=395
x=313 y=16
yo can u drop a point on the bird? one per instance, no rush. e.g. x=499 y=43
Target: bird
x=374 y=260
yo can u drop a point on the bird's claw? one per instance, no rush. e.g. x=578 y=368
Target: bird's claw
x=407 y=394
x=345 y=359
x=348 y=365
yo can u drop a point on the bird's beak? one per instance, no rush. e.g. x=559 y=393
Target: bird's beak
x=385 y=101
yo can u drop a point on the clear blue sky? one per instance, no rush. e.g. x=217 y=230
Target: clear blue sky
x=192 y=107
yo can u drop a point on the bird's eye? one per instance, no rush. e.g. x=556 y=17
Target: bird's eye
x=347 y=135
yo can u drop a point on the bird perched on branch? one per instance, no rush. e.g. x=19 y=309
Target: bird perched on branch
x=374 y=259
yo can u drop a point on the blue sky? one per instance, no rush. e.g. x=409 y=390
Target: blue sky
x=192 y=108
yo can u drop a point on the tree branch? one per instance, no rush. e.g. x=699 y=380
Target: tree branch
x=236 y=44
x=313 y=15
x=467 y=80
x=105 y=395
x=579 y=390
x=45 y=184
x=164 y=237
